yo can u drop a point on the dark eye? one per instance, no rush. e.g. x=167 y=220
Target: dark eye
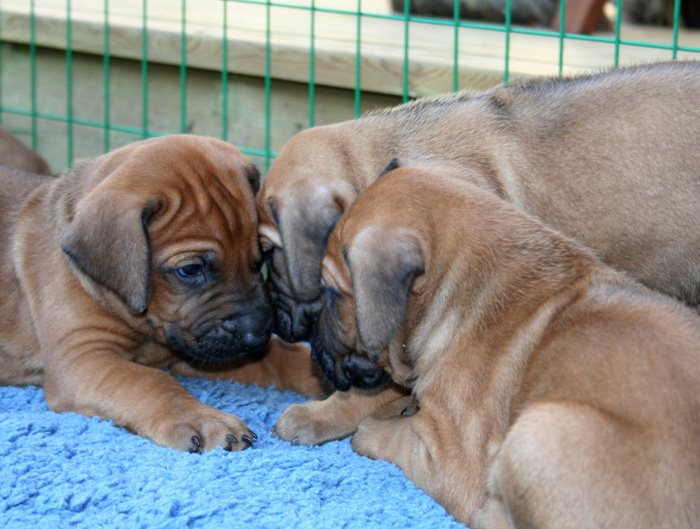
x=267 y=253
x=330 y=294
x=189 y=271
x=258 y=266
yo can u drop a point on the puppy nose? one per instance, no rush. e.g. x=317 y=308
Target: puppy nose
x=252 y=330
x=253 y=342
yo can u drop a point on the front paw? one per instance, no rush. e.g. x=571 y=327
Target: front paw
x=312 y=424
x=204 y=429
x=380 y=438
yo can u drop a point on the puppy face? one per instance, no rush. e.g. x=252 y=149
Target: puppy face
x=295 y=307
x=335 y=344
x=367 y=281
x=168 y=240
x=298 y=207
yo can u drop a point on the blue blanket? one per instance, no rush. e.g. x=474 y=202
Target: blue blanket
x=67 y=470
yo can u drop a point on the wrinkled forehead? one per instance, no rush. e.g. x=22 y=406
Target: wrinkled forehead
x=204 y=194
x=203 y=225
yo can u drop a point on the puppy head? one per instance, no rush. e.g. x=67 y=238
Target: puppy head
x=301 y=200
x=368 y=275
x=164 y=232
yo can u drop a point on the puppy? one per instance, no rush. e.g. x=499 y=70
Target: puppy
x=143 y=258
x=554 y=391
x=610 y=159
x=16 y=155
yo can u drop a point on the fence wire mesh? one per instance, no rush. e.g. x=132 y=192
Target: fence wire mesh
x=81 y=77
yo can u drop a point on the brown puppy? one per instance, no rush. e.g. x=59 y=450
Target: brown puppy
x=611 y=160
x=15 y=154
x=142 y=258
x=554 y=392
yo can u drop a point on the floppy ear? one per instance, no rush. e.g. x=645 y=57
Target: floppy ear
x=383 y=266
x=253 y=176
x=393 y=164
x=108 y=241
x=305 y=226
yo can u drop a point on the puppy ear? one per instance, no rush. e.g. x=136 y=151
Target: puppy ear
x=305 y=227
x=108 y=241
x=383 y=267
x=393 y=164
x=253 y=176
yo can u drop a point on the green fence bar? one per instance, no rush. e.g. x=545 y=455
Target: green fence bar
x=32 y=66
x=105 y=70
x=224 y=73
x=406 y=26
x=562 y=20
x=183 y=69
x=358 y=59
x=312 y=65
x=69 y=82
x=268 y=82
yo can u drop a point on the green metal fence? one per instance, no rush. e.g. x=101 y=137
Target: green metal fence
x=80 y=77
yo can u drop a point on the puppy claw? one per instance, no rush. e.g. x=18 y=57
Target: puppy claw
x=410 y=410
x=295 y=441
x=247 y=440
x=231 y=441
x=196 y=447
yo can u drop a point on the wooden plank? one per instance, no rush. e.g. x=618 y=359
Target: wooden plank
x=431 y=48
x=251 y=125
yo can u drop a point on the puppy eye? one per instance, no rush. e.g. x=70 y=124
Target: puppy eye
x=258 y=266
x=329 y=293
x=266 y=246
x=189 y=271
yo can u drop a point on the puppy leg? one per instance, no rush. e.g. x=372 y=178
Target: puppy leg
x=145 y=400
x=567 y=465
x=283 y=365
x=336 y=417
x=434 y=455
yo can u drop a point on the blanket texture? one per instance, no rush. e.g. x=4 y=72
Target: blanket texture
x=72 y=471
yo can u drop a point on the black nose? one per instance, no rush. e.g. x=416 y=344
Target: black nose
x=250 y=331
x=294 y=320
x=245 y=332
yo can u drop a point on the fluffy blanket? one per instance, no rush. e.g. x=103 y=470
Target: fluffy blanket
x=67 y=470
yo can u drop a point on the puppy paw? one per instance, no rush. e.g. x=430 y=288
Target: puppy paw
x=310 y=424
x=405 y=406
x=381 y=438
x=204 y=430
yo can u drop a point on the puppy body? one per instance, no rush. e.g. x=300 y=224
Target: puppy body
x=609 y=159
x=143 y=258
x=16 y=155
x=554 y=392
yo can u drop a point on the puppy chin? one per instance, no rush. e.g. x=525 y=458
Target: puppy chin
x=347 y=370
x=362 y=373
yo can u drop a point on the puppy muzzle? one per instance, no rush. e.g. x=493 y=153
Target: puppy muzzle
x=294 y=320
x=228 y=340
x=347 y=370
